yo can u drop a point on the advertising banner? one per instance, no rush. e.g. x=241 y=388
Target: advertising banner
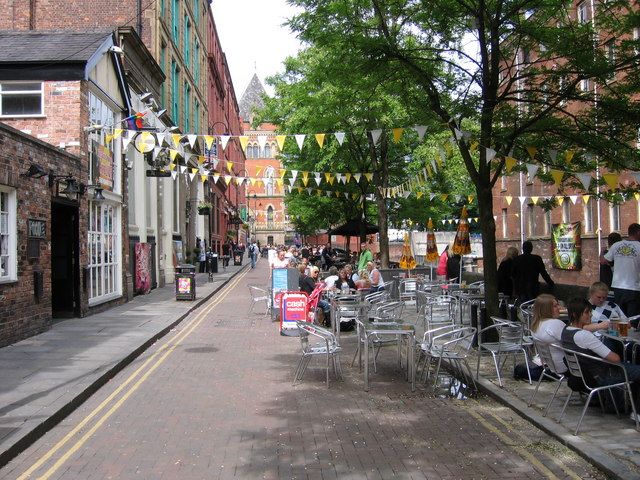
x=293 y=308
x=143 y=267
x=566 y=248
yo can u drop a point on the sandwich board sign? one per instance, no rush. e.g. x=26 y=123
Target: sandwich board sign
x=293 y=308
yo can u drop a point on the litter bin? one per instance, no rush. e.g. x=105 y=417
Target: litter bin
x=237 y=257
x=212 y=258
x=186 y=282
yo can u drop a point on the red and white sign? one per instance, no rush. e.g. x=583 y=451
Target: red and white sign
x=293 y=308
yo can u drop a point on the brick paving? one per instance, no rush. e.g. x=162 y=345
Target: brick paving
x=221 y=405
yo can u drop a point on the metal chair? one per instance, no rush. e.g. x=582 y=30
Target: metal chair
x=439 y=309
x=327 y=345
x=386 y=311
x=575 y=362
x=453 y=346
x=259 y=295
x=525 y=311
x=407 y=290
x=510 y=342
x=550 y=372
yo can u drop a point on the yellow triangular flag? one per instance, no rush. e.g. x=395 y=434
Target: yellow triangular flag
x=320 y=139
x=473 y=148
x=508 y=199
x=200 y=159
x=283 y=172
x=444 y=197
x=568 y=155
x=354 y=195
x=470 y=198
x=230 y=166
x=258 y=170
x=227 y=179
x=331 y=180
x=208 y=141
x=429 y=171
x=327 y=176
x=560 y=200
x=203 y=178
x=194 y=170
x=279 y=182
x=244 y=140
x=107 y=138
x=419 y=194
x=532 y=151
x=117 y=133
x=175 y=137
x=635 y=195
x=611 y=179
x=368 y=176
x=172 y=166
x=509 y=163
x=534 y=200
x=557 y=176
x=280 y=141
x=585 y=198
x=347 y=177
x=397 y=134
x=173 y=154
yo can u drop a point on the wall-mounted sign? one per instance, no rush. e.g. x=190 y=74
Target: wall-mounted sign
x=102 y=166
x=158 y=173
x=36 y=228
x=566 y=246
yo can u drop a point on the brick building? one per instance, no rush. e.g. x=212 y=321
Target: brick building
x=52 y=86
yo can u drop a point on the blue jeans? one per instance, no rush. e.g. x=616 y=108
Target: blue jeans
x=253 y=260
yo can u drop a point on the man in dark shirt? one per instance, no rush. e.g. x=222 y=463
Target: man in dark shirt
x=525 y=272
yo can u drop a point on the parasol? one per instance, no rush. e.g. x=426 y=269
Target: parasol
x=462 y=243
x=432 y=248
x=406 y=260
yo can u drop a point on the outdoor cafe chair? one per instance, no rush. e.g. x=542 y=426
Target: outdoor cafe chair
x=439 y=309
x=259 y=295
x=526 y=312
x=326 y=345
x=375 y=342
x=549 y=372
x=452 y=346
x=575 y=362
x=386 y=311
x=408 y=288
x=376 y=297
x=509 y=343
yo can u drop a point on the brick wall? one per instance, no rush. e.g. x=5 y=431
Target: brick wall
x=21 y=313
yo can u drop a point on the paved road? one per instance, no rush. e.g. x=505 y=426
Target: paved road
x=214 y=400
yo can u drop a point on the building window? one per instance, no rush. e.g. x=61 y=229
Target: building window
x=21 y=99
x=269 y=216
x=196 y=118
x=588 y=217
x=163 y=66
x=8 y=235
x=161 y=8
x=583 y=12
x=104 y=248
x=585 y=85
x=175 y=22
x=547 y=223
x=256 y=151
x=268 y=180
x=504 y=223
x=174 y=92
x=610 y=51
x=566 y=211
x=614 y=218
x=196 y=9
x=187 y=108
x=196 y=63
x=187 y=41
x=267 y=151
x=503 y=183
x=531 y=225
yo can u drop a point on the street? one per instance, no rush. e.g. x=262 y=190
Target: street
x=214 y=400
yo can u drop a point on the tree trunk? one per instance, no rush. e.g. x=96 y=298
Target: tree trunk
x=382 y=225
x=488 y=228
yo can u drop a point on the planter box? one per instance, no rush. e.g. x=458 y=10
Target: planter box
x=204 y=211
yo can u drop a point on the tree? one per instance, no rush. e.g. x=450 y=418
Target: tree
x=318 y=93
x=517 y=68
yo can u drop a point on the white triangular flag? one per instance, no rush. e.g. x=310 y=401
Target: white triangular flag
x=553 y=154
x=420 y=130
x=375 y=134
x=532 y=169
x=291 y=181
x=491 y=153
x=126 y=139
x=183 y=169
x=192 y=140
x=300 y=140
x=339 y=137
x=224 y=139
x=573 y=198
x=174 y=175
x=262 y=141
x=585 y=179
x=457 y=133
x=192 y=176
x=522 y=199
x=357 y=176
x=317 y=178
x=216 y=177
x=294 y=175
x=432 y=196
x=309 y=190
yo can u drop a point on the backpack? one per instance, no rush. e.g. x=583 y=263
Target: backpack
x=252 y=249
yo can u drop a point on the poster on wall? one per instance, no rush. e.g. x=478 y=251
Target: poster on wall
x=177 y=253
x=102 y=166
x=566 y=248
x=143 y=268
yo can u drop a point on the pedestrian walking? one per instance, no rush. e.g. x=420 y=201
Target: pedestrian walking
x=253 y=254
x=526 y=270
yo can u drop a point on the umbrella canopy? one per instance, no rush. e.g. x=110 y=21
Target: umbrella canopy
x=462 y=243
x=432 y=247
x=406 y=260
x=352 y=228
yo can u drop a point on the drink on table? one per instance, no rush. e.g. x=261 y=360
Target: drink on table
x=623 y=329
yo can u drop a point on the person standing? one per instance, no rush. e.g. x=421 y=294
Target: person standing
x=526 y=270
x=606 y=269
x=626 y=274
x=327 y=256
x=441 y=271
x=365 y=257
x=505 y=270
x=253 y=254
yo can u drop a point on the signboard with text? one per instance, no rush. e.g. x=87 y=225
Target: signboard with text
x=566 y=246
x=293 y=308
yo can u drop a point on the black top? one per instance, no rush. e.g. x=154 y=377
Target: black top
x=505 y=283
x=348 y=281
x=526 y=270
x=453 y=267
x=306 y=284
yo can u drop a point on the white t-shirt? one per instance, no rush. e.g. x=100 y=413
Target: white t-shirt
x=625 y=256
x=380 y=283
x=330 y=281
x=588 y=340
x=549 y=331
x=277 y=263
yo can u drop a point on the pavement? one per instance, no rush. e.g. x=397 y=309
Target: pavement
x=47 y=377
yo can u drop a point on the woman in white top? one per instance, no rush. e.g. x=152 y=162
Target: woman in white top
x=547 y=328
x=377 y=283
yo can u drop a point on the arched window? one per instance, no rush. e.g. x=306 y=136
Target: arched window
x=249 y=151
x=269 y=216
x=267 y=151
x=256 y=151
x=274 y=149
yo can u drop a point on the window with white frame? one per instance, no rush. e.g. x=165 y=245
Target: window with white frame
x=503 y=183
x=268 y=180
x=267 y=151
x=21 y=99
x=585 y=85
x=588 y=217
x=8 y=235
x=104 y=252
x=504 y=223
x=547 y=223
x=583 y=12
x=566 y=211
x=531 y=221
x=614 y=218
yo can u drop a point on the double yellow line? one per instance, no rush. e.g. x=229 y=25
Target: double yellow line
x=150 y=365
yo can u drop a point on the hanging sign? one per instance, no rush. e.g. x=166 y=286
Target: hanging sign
x=566 y=246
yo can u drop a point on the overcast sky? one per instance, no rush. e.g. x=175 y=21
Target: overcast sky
x=253 y=39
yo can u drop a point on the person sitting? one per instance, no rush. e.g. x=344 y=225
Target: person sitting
x=343 y=279
x=377 y=283
x=331 y=279
x=308 y=284
x=350 y=273
x=576 y=338
x=363 y=283
x=603 y=309
x=547 y=328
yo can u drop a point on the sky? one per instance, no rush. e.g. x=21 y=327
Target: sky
x=253 y=38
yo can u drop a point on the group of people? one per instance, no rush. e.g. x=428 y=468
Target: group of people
x=518 y=275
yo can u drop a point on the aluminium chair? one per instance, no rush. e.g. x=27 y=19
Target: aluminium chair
x=453 y=346
x=326 y=345
x=259 y=295
x=549 y=372
x=509 y=343
x=576 y=364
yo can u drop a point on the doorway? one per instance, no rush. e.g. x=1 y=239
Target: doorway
x=65 y=260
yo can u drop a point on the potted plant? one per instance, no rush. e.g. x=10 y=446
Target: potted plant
x=204 y=208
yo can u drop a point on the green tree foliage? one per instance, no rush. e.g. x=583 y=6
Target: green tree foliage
x=526 y=72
